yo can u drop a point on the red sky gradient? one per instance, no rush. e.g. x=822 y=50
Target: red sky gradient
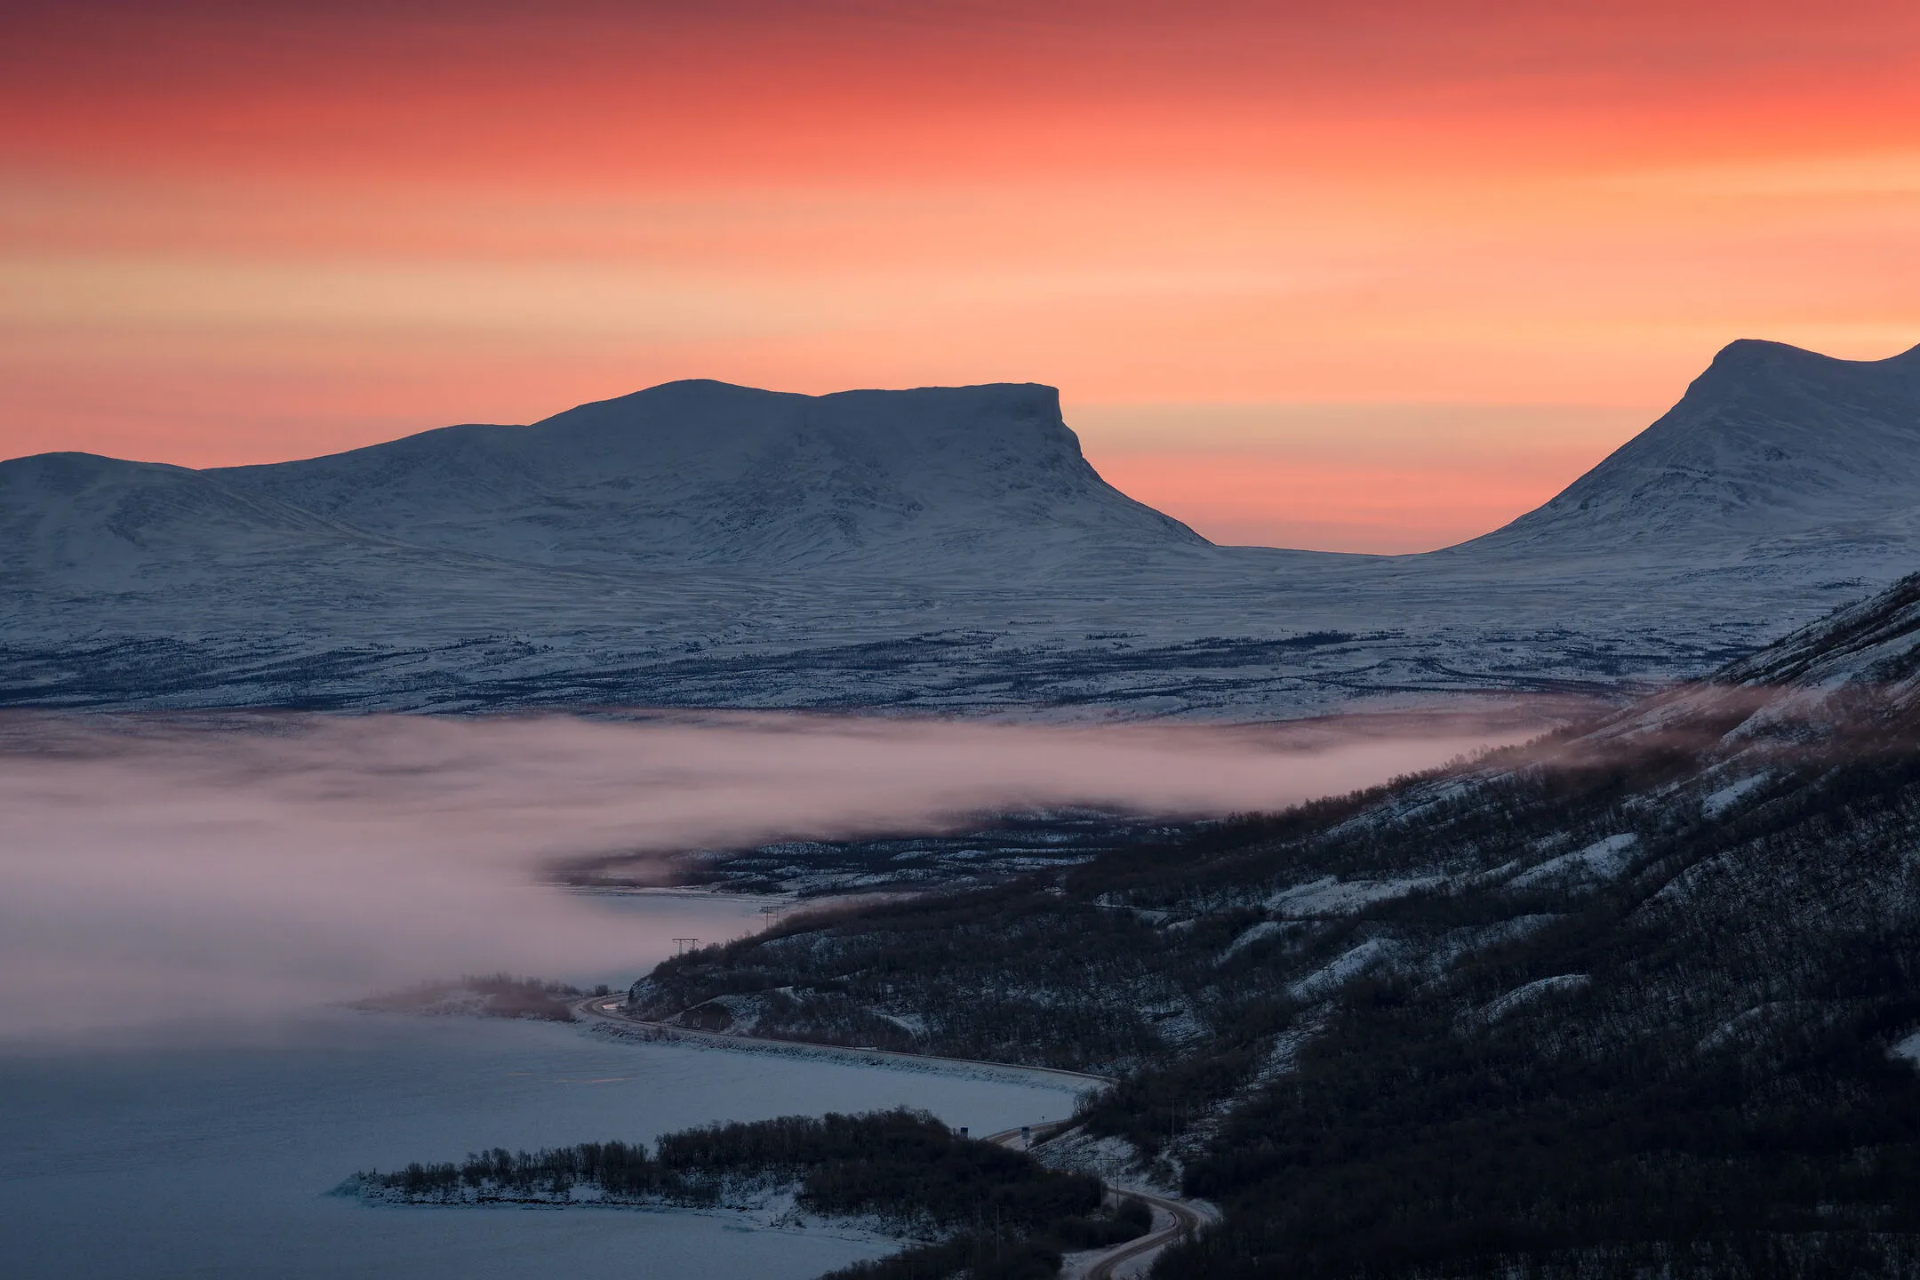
x=1360 y=275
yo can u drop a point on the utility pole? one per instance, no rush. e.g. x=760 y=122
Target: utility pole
x=683 y=945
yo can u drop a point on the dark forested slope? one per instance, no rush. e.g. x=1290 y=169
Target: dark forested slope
x=1637 y=996
x=970 y=1204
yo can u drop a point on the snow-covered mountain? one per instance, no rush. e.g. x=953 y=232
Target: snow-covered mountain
x=1774 y=454
x=707 y=473
x=944 y=548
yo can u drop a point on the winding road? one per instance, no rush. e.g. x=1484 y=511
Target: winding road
x=1173 y=1219
x=1183 y=1218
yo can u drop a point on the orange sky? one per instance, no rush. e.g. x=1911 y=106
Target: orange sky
x=1358 y=275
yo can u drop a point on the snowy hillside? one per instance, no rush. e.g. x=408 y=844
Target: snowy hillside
x=940 y=549
x=76 y=521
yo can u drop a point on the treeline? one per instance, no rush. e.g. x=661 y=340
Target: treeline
x=620 y=1171
x=973 y=1199
x=904 y=1166
x=493 y=995
x=994 y=1256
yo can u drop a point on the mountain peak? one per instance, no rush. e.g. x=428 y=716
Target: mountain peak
x=1770 y=442
x=1755 y=364
x=1750 y=352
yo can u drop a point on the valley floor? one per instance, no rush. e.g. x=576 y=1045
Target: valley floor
x=1234 y=634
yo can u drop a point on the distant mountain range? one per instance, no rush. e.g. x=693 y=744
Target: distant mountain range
x=705 y=473
x=941 y=548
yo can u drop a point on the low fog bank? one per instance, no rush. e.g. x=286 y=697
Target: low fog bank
x=157 y=870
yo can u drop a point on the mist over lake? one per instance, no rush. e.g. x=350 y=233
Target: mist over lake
x=240 y=866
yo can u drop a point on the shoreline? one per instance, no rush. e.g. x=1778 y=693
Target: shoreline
x=602 y=1013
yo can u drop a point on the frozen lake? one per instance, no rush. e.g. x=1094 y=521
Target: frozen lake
x=211 y=1155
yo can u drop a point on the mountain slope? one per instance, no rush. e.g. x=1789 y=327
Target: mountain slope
x=1637 y=999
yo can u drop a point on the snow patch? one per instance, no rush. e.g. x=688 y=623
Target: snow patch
x=1457 y=943
x=1349 y=965
x=1331 y=896
x=1601 y=860
x=1750 y=1020
x=1113 y=1160
x=1494 y=1010
x=912 y=1023
x=1908 y=1049
x=1283 y=1056
x=1727 y=797
x=1258 y=933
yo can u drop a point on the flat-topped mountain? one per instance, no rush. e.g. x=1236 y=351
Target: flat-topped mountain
x=713 y=473
x=704 y=544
